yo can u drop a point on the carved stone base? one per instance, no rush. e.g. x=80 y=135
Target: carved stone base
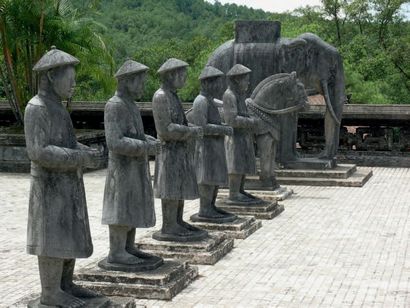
x=149 y=264
x=162 y=283
x=265 y=210
x=279 y=194
x=229 y=217
x=208 y=251
x=342 y=175
x=99 y=302
x=310 y=163
x=255 y=188
x=240 y=228
x=194 y=237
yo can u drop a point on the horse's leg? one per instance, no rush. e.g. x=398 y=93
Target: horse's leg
x=265 y=149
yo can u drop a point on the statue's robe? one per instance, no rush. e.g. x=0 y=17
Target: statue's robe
x=58 y=219
x=240 y=151
x=175 y=177
x=128 y=194
x=210 y=159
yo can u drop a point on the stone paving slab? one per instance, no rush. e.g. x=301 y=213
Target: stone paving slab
x=332 y=247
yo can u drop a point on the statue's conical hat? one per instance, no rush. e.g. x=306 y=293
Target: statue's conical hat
x=237 y=70
x=130 y=67
x=210 y=72
x=54 y=58
x=172 y=64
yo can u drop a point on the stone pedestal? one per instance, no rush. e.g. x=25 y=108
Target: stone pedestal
x=99 y=302
x=149 y=264
x=310 y=163
x=208 y=251
x=240 y=228
x=162 y=283
x=256 y=188
x=342 y=175
x=263 y=210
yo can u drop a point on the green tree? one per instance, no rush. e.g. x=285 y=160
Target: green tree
x=29 y=28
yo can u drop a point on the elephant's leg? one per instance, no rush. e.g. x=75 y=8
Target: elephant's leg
x=332 y=121
x=332 y=131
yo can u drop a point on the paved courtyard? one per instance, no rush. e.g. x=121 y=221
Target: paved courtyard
x=332 y=247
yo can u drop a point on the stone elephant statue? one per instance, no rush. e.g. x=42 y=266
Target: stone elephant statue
x=318 y=66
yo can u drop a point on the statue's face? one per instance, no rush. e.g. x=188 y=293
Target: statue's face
x=243 y=82
x=135 y=84
x=212 y=85
x=63 y=81
x=179 y=78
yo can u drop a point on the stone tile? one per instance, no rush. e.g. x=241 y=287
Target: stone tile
x=331 y=247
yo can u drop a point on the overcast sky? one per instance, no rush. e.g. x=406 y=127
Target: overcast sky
x=272 y=5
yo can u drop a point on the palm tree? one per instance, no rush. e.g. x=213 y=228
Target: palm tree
x=29 y=27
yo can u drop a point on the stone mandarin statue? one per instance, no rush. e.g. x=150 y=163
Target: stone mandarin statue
x=240 y=152
x=58 y=229
x=210 y=157
x=128 y=194
x=175 y=179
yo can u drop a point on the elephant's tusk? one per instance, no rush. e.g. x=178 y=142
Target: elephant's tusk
x=327 y=100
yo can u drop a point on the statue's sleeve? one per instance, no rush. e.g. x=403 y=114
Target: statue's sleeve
x=39 y=149
x=166 y=129
x=114 y=134
x=200 y=118
x=231 y=113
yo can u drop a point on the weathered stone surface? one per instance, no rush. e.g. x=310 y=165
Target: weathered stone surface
x=13 y=152
x=332 y=245
x=128 y=195
x=207 y=251
x=358 y=179
x=277 y=135
x=310 y=163
x=148 y=264
x=162 y=283
x=394 y=159
x=342 y=171
x=257 y=189
x=175 y=177
x=58 y=229
x=318 y=65
x=264 y=210
x=240 y=228
x=257 y=31
x=210 y=155
x=279 y=194
x=33 y=301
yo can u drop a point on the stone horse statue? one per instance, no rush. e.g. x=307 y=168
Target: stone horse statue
x=259 y=46
x=276 y=101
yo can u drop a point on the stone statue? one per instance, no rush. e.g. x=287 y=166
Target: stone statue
x=258 y=45
x=128 y=195
x=58 y=229
x=277 y=101
x=240 y=152
x=175 y=179
x=210 y=159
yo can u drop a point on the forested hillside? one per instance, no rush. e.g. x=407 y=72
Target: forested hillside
x=372 y=35
x=152 y=31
